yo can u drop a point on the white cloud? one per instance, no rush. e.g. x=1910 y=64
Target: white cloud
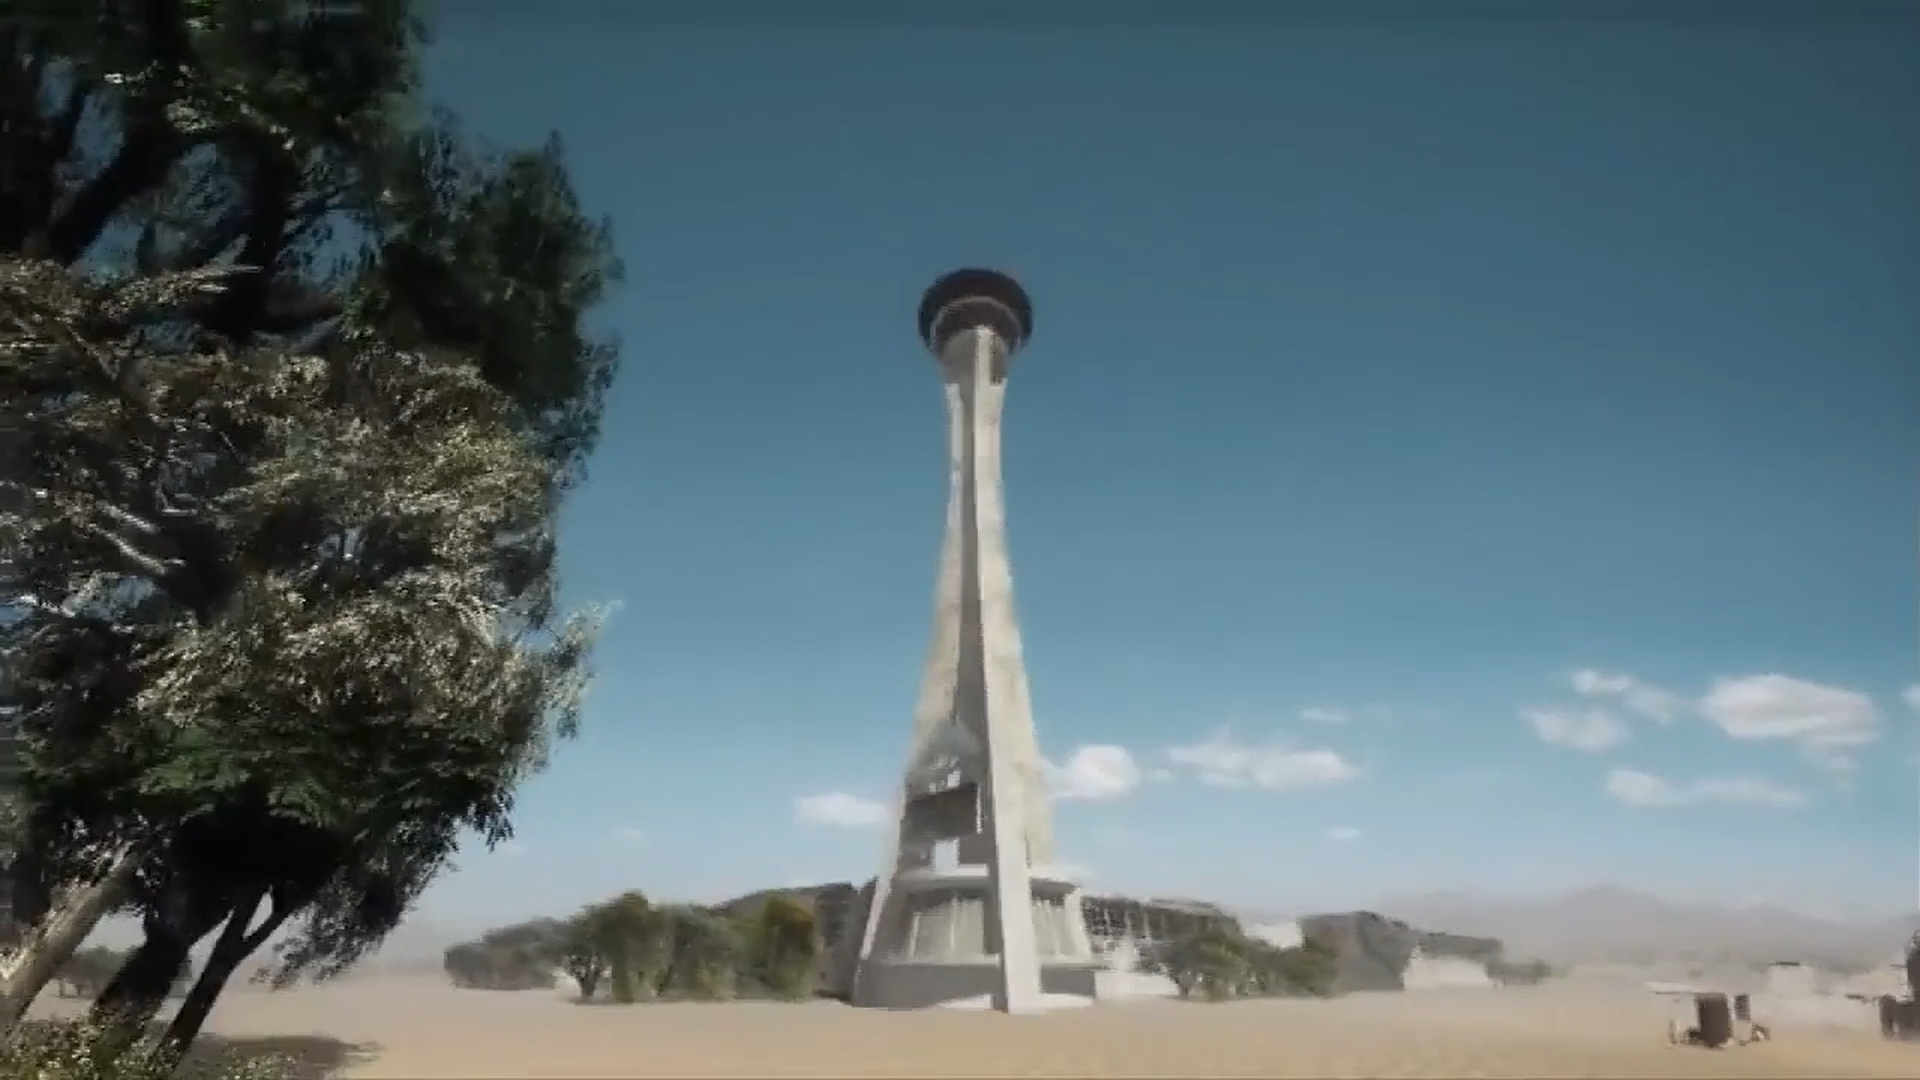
x=1749 y=790
x=1639 y=698
x=1911 y=695
x=1094 y=772
x=1321 y=714
x=630 y=835
x=512 y=849
x=1635 y=788
x=1825 y=721
x=1343 y=832
x=840 y=810
x=1836 y=761
x=1224 y=762
x=1587 y=730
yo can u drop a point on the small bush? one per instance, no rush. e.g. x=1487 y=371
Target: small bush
x=81 y=1051
x=1524 y=973
x=1309 y=969
x=1220 y=962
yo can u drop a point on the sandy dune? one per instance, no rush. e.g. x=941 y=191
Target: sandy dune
x=420 y=1028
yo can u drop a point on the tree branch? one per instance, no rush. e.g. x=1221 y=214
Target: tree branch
x=278 y=915
x=237 y=313
x=160 y=571
x=131 y=520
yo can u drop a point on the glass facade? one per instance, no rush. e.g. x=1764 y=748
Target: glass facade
x=1112 y=919
x=952 y=924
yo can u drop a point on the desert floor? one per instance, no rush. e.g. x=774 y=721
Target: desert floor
x=418 y=1027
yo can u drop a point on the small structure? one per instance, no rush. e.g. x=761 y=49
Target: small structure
x=1428 y=972
x=1900 y=1012
x=1913 y=967
x=1899 y=1019
x=1714 y=1020
x=1719 y=1020
x=1790 y=978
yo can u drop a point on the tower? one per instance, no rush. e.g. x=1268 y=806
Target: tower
x=969 y=904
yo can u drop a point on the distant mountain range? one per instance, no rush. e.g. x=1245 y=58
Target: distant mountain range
x=1620 y=926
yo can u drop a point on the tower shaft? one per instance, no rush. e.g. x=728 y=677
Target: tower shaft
x=994 y=918
x=1013 y=806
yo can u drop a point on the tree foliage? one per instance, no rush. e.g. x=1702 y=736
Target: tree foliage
x=296 y=375
x=1219 y=961
x=318 y=678
x=87 y=972
x=1518 y=973
x=644 y=952
x=580 y=955
x=1213 y=961
x=82 y=1051
x=706 y=954
x=630 y=937
x=1307 y=969
x=518 y=957
x=784 y=947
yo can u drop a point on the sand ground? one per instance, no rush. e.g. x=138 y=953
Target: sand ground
x=419 y=1027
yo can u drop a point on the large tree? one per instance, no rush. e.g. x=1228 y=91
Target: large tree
x=631 y=936
x=784 y=946
x=518 y=957
x=300 y=376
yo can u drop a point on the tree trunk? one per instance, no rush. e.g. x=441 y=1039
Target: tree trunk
x=137 y=991
x=620 y=975
x=235 y=944
x=54 y=940
x=179 y=918
x=27 y=878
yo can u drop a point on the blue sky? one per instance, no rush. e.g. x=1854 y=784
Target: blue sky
x=1456 y=451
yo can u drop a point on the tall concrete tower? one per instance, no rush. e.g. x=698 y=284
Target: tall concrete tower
x=969 y=905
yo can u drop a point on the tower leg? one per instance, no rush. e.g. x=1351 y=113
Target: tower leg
x=1011 y=877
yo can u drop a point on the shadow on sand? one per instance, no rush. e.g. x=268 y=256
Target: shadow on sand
x=298 y=1057
x=305 y=1057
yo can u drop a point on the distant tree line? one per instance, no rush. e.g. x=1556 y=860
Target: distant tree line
x=1518 y=972
x=87 y=972
x=639 y=951
x=1220 y=961
x=628 y=949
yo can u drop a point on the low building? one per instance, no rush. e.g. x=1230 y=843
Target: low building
x=1114 y=919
